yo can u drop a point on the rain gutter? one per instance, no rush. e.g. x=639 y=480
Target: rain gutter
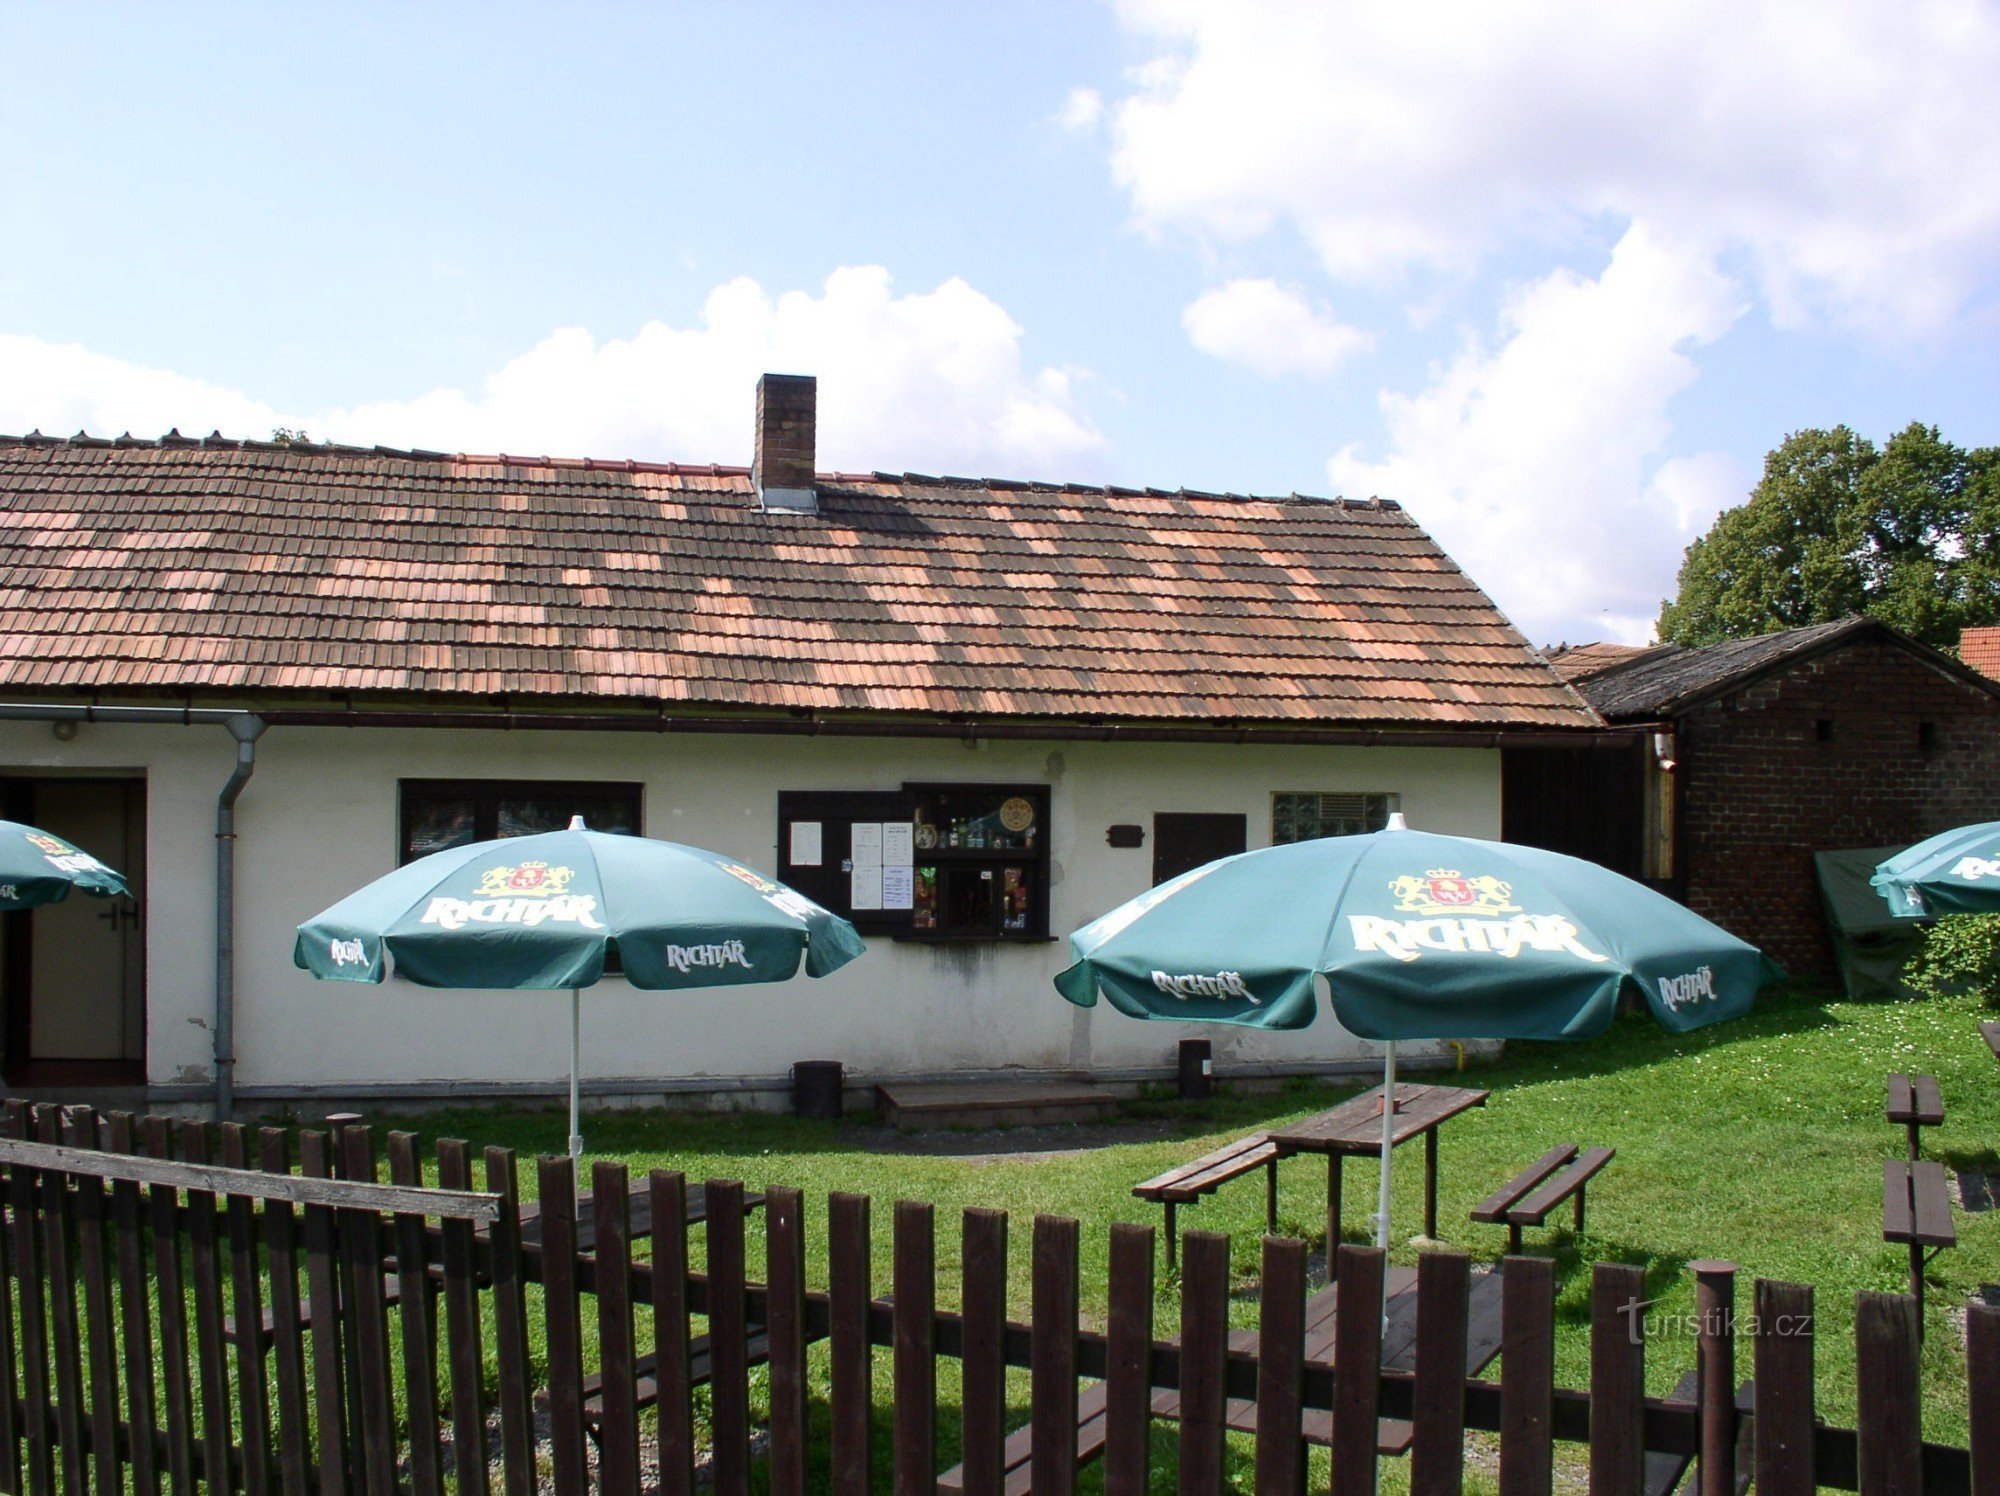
x=245 y=727
x=968 y=729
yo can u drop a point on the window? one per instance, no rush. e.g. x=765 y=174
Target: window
x=441 y=813
x=1301 y=815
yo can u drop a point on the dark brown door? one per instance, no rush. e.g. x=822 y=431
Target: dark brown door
x=1183 y=841
x=74 y=972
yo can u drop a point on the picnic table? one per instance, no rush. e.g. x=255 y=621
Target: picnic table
x=1355 y=1127
x=641 y=1197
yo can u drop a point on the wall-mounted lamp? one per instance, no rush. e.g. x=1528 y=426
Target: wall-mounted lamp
x=65 y=731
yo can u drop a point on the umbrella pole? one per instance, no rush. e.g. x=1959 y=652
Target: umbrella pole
x=1388 y=1128
x=575 y=1048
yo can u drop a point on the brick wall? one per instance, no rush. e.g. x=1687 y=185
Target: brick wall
x=1830 y=753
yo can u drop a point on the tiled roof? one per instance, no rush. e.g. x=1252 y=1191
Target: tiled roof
x=225 y=567
x=1578 y=662
x=1980 y=649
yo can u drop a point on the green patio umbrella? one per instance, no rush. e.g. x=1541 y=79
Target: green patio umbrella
x=549 y=911
x=1955 y=872
x=1417 y=937
x=37 y=868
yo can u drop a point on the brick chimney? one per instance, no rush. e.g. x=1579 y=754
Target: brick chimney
x=782 y=467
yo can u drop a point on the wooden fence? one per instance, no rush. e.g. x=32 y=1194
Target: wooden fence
x=173 y=1317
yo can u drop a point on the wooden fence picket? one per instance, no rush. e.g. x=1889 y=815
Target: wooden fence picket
x=1783 y=1396
x=1444 y=1298
x=1357 y=1367
x=288 y=1351
x=1128 y=1393
x=134 y=1316
x=465 y=1361
x=58 y=1216
x=100 y=1327
x=1888 y=1394
x=555 y=1180
x=914 y=1277
x=1204 y=1347
x=414 y=1303
x=1052 y=1349
x=618 y=1380
x=1982 y=1385
x=668 y=1191
x=177 y=1392
x=1527 y=1376
x=849 y=1279
x=1617 y=1380
x=246 y=1307
x=784 y=1324
x=320 y=1228
x=983 y=1352
x=361 y=1286
x=728 y=1336
x=1281 y=1354
x=510 y=1327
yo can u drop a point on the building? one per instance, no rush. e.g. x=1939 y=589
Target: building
x=1753 y=754
x=336 y=659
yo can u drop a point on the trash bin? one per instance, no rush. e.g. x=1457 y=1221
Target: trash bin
x=1195 y=1081
x=816 y=1088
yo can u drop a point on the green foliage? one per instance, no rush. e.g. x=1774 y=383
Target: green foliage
x=1961 y=953
x=1908 y=533
x=291 y=436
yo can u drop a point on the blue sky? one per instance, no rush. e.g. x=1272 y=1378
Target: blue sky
x=1553 y=276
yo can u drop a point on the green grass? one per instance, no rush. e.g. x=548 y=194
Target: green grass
x=1758 y=1141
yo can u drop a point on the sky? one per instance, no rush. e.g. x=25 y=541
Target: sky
x=1554 y=276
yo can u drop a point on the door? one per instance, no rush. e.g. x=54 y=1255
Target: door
x=75 y=971
x=1182 y=841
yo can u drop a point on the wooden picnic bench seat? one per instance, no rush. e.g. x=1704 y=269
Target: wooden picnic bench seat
x=1526 y=1199
x=1204 y=1176
x=1393 y=1436
x=1666 y=1473
x=646 y=1384
x=1916 y=1209
x=1914 y=1103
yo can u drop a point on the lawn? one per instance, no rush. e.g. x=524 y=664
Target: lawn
x=1759 y=1142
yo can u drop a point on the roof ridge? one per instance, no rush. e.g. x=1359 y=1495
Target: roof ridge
x=216 y=441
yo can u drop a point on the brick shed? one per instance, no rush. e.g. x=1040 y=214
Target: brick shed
x=1846 y=734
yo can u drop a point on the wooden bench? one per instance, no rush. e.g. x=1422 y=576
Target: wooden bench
x=1666 y=1473
x=1527 y=1198
x=646 y=1384
x=1914 y=1103
x=1393 y=1436
x=1916 y=1209
x=1188 y=1183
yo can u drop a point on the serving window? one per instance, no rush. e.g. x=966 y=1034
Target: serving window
x=927 y=862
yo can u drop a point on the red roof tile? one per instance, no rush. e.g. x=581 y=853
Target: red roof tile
x=1980 y=649
x=251 y=567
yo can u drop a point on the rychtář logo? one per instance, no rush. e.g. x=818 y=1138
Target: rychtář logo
x=1224 y=984
x=346 y=953
x=1464 y=919
x=532 y=894
x=723 y=953
x=61 y=856
x=1972 y=869
x=779 y=897
x=1684 y=991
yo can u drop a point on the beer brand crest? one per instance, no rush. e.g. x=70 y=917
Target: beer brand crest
x=1447 y=891
x=531 y=880
x=49 y=844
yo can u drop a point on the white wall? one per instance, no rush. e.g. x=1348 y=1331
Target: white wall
x=320 y=818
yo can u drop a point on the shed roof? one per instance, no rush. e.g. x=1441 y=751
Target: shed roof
x=233 y=567
x=1668 y=680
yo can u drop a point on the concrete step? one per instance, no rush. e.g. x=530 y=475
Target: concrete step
x=994 y=1104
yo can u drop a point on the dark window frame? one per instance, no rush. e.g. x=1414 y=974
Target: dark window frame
x=1286 y=819
x=487 y=794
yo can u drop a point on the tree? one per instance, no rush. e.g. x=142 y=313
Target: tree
x=1909 y=533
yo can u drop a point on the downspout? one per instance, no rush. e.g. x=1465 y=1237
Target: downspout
x=246 y=730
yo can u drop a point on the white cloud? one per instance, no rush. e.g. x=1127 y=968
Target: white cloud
x=1269 y=329
x=1536 y=462
x=63 y=388
x=929 y=381
x=1082 y=109
x=1845 y=149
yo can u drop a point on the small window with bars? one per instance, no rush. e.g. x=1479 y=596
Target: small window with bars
x=1302 y=815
